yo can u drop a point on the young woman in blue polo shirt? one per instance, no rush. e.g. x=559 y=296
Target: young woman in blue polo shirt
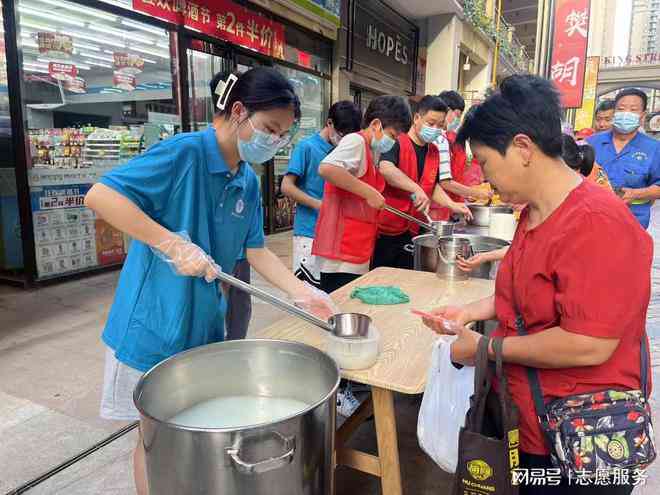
x=192 y=205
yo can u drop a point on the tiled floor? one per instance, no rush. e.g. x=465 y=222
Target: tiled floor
x=51 y=366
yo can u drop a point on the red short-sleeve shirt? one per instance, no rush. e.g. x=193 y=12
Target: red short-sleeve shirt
x=587 y=269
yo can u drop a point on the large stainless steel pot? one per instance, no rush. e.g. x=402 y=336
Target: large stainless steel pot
x=481 y=213
x=426 y=257
x=291 y=456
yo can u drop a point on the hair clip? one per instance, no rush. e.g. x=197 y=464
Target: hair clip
x=223 y=89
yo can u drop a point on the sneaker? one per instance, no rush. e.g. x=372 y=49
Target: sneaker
x=347 y=403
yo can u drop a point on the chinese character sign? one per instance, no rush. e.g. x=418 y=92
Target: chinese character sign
x=569 y=51
x=222 y=19
x=585 y=115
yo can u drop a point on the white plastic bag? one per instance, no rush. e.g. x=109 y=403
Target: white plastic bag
x=446 y=401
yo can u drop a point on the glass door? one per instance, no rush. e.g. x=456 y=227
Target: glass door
x=205 y=60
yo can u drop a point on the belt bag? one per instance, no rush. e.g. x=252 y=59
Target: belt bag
x=597 y=433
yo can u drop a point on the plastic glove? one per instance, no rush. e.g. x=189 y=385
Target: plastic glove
x=186 y=258
x=317 y=302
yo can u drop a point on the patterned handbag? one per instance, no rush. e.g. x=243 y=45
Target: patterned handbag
x=596 y=434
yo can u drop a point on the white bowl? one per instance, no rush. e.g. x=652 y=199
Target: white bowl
x=355 y=354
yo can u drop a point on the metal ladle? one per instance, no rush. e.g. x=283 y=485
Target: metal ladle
x=345 y=325
x=433 y=226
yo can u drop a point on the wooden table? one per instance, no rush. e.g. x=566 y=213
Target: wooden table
x=402 y=365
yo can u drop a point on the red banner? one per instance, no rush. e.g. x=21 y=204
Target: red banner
x=569 y=50
x=222 y=19
x=62 y=72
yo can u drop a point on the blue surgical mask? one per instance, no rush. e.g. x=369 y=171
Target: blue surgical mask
x=261 y=147
x=626 y=122
x=429 y=134
x=382 y=145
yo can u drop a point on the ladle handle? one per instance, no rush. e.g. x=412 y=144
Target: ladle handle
x=408 y=217
x=275 y=301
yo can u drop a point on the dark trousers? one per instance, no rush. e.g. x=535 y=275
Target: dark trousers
x=239 y=305
x=330 y=282
x=391 y=251
x=529 y=461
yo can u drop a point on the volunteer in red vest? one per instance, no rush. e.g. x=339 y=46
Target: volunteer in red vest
x=411 y=171
x=458 y=183
x=347 y=227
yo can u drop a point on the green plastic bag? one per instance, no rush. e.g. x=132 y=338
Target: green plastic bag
x=380 y=295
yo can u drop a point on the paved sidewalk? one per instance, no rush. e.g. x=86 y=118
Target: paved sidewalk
x=51 y=371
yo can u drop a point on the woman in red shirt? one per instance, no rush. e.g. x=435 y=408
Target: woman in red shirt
x=578 y=269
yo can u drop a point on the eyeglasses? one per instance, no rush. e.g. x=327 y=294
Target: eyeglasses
x=275 y=140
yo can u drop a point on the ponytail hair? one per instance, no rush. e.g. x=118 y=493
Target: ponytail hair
x=259 y=89
x=580 y=157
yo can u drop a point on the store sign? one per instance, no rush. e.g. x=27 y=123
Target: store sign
x=123 y=81
x=584 y=118
x=54 y=44
x=222 y=19
x=640 y=59
x=384 y=44
x=76 y=85
x=569 y=51
x=62 y=72
x=128 y=63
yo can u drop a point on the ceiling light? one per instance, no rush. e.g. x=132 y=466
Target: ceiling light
x=29 y=42
x=50 y=16
x=144 y=27
x=104 y=41
x=75 y=8
x=166 y=46
x=31 y=69
x=35 y=64
x=149 y=61
x=86 y=46
x=98 y=64
x=118 y=3
x=98 y=57
x=124 y=34
x=34 y=25
x=150 y=52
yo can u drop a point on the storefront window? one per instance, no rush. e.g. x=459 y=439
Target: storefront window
x=313 y=93
x=97 y=90
x=11 y=254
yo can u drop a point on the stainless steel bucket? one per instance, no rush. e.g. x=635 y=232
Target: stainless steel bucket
x=450 y=249
x=290 y=456
x=481 y=213
x=425 y=252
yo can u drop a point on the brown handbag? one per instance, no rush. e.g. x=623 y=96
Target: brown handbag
x=488 y=443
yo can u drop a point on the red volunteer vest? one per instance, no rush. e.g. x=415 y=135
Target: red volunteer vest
x=390 y=224
x=347 y=226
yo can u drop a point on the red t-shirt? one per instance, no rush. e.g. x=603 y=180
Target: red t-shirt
x=587 y=269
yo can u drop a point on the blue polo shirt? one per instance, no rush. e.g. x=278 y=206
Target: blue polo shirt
x=636 y=167
x=184 y=184
x=304 y=164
